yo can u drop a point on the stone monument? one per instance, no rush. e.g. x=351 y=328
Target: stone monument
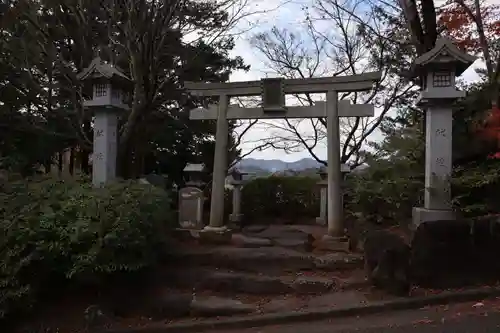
x=323 y=191
x=105 y=90
x=192 y=198
x=437 y=71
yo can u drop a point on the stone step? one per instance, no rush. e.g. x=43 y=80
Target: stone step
x=224 y=281
x=256 y=237
x=271 y=260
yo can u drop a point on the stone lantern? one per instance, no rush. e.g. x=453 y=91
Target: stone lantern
x=323 y=190
x=195 y=173
x=105 y=89
x=236 y=180
x=437 y=71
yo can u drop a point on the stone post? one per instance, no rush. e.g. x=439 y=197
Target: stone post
x=437 y=70
x=216 y=223
x=323 y=195
x=236 y=215
x=335 y=238
x=334 y=177
x=105 y=146
x=323 y=185
x=235 y=179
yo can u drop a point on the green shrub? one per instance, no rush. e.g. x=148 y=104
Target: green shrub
x=383 y=199
x=475 y=187
x=55 y=229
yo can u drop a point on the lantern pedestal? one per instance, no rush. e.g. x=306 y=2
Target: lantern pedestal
x=421 y=215
x=105 y=147
x=235 y=179
x=236 y=216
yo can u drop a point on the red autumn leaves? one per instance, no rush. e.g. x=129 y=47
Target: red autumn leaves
x=491 y=130
x=460 y=19
x=459 y=23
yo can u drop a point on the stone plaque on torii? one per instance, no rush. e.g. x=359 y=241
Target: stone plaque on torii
x=273 y=107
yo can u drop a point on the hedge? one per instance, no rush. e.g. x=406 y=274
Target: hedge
x=56 y=230
x=384 y=195
x=281 y=197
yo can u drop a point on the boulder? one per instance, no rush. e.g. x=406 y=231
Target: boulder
x=441 y=252
x=387 y=261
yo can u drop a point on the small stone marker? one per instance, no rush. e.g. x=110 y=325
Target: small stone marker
x=191 y=208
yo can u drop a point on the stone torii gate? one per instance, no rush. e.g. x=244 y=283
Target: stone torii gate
x=273 y=92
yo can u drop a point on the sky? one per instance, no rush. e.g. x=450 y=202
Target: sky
x=289 y=15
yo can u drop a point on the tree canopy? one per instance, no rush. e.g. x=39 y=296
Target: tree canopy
x=159 y=44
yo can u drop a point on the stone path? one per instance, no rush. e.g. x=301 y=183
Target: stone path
x=267 y=269
x=268 y=259
x=175 y=305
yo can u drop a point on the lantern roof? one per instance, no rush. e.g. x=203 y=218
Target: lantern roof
x=444 y=54
x=100 y=69
x=194 y=167
x=236 y=170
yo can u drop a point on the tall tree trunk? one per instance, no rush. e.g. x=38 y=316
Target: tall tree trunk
x=84 y=152
x=60 y=162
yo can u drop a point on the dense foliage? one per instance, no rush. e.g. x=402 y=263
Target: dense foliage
x=57 y=230
x=45 y=44
x=281 y=197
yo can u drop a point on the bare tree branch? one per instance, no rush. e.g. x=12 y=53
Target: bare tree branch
x=346 y=51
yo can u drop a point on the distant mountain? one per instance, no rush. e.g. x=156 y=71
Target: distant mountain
x=255 y=165
x=265 y=167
